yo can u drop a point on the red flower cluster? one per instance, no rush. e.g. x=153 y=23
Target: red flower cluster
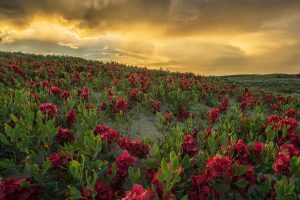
x=200 y=188
x=282 y=163
x=278 y=123
x=48 y=108
x=241 y=152
x=63 y=135
x=182 y=114
x=11 y=189
x=291 y=113
x=58 y=160
x=17 y=70
x=169 y=117
x=123 y=162
x=224 y=105
x=219 y=166
x=189 y=145
x=156 y=106
x=134 y=93
x=257 y=148
x=56 y=91
x=106 y=133
x=83 y=92
x=120 y=105
x=104 y=192
x=249 y=176
x=71 y=116
x=134 y=147
x=213 y=115
x=139 y=193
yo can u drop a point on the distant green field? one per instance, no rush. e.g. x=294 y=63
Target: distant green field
x=285 y=83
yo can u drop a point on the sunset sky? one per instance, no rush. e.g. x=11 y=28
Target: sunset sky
x=208 y=37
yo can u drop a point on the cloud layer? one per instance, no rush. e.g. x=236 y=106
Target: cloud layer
x=202 y=36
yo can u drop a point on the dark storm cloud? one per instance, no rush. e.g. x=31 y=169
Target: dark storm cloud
x=179 y=16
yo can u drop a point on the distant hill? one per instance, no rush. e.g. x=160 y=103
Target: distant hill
x=285 y=83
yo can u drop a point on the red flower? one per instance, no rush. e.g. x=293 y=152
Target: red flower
x=58 y=160
x=123 y=162
x=71 y=116
x=86 y=193
x=139 y=193
x=134 y=147
x=150 y=174
x=291 y=113
x=189 y=145
x=48 y=108
x=83 y=92
x=55 y=90
x=105 y=132
x=120 y=105
x=169 y=117
x=200 y=188
x=258 y=146
x=11 y=189
x=282 y=163
x=63 y=135
x=134 y=92
x=104 y=192
x=241 y=152
x=213 y=115
x=219 y=166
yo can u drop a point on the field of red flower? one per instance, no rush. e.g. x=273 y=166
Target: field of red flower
x=67 y=132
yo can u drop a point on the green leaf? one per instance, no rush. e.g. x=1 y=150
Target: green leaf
x=3 y=139
x=45 y=167
x=75 y=193
x=240 y=170
x=165 y=169
x=241 y=183
x=184 y=198
x=7 y=164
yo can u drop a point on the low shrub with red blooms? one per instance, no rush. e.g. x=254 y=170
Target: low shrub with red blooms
x=155 y=106
x=83 y=92
x=150 y=174
x=49 y=109
x=63 y=135
x=200 y=188
x=120 y=105
x=17 y=70
x=12 y=189
x=169 y=117
x=182 y=114
x=55 y=90
x=159 y=187
x=292 y=113
x=134 y=147
x=189 y=145
x=139 y=193
x=249 y=176
x=241 y=152
x=123 y=162
x=58 y=160
x=257 y=147
x=104 y=192
x=219 y=166
x=71 y=116
x=224 y=105
x=291 y=149
x=86 y=193
x=213 y=115
x=106 y=133
x=282 y=163
x=134 y=93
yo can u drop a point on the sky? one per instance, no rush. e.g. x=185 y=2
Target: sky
x=207 y=37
